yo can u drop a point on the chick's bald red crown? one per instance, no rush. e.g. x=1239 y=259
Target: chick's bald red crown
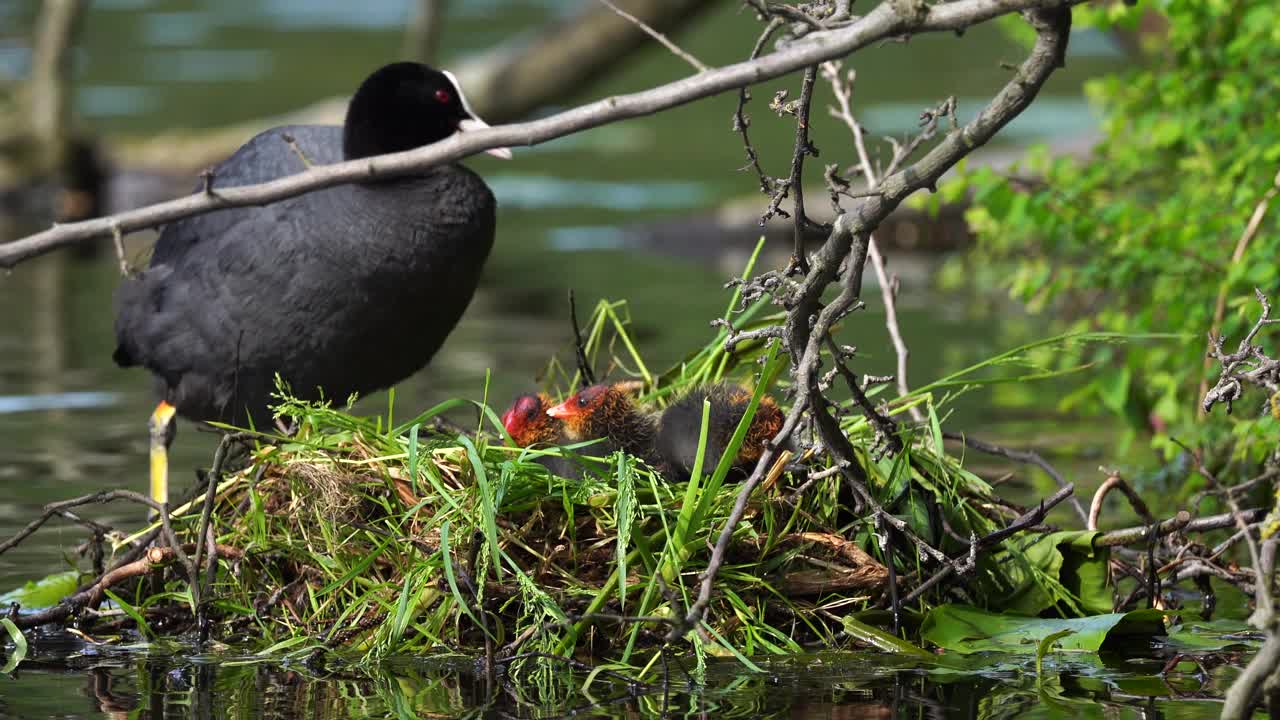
x=526 y=421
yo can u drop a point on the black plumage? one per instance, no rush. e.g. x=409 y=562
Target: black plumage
x=680 y=429
x=344 y=290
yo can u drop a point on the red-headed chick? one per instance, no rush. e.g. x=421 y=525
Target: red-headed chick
x=528 y=424
x=680 y=428
x=608 y=412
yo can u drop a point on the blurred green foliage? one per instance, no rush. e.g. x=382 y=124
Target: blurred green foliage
x=1148 y=234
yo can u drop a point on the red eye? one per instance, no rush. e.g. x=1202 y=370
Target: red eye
x=443 y=96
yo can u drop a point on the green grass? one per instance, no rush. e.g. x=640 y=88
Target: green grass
x=376 y=539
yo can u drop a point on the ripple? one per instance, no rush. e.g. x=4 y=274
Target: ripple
x=545 y=191
x=57 y=401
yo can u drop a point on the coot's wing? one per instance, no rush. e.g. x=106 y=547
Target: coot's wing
x=215 y=323
x=268 y=156
x=154 y=311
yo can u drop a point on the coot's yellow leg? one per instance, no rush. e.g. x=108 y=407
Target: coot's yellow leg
x=161 y=419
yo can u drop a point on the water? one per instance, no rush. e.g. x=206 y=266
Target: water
x=71 y=422
x=838 y=687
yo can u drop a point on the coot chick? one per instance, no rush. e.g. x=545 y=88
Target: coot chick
x=528 y=424
x=680 y=428
x=348 y=289
x=609 y=412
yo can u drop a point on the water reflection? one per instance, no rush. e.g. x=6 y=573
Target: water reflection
x=71 y=422
x=826 y=686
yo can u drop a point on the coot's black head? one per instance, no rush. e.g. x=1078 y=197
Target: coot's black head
x=403 y=106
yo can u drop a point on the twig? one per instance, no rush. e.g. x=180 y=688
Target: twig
x=845 y=251
x=1265 y=371
x=965 y=565
x=1178 y=523
x=803 y=147
x=1263 y=596
x=843 y=92
x=885 y=427
x=199 y=588
x=883 y=22
x=666 y=42
x=155 y=558
x=1242 y=244
x=580 y=348
x=61 y=507
x=741 y=121
x=1114 y=481
x=1023 y=456
x=117 y=239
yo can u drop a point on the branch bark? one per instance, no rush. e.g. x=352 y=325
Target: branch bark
x=881 y=23
x=844 y=255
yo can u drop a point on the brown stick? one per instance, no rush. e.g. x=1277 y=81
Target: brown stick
x=1220 y=305
x=1114 y=481
x=1180 y=522
x=845 y=251
x=883 y=22
x=1023 y=456
x=960 y=566
x=154 y=559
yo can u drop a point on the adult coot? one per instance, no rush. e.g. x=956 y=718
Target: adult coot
x=344 y=290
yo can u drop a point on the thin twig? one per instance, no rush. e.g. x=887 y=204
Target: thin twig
x=843 y=92
x=882 y=22
x=1115 y=481
x=1242 y=244
x=961 y=566
x=843 y=256
x=154 y=559
x=579 y=347
x=1023 y=456
x=803 y=147
x=666 y=42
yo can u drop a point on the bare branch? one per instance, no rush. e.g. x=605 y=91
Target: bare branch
x=881 y=23
x=1115 y=482
x=1023 y=456
x=666 y=42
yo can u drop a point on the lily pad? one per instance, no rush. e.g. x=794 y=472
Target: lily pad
x=1218 y=634
x=967 y=630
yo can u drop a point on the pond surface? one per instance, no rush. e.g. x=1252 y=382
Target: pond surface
x=835 y=686
x=71 y=422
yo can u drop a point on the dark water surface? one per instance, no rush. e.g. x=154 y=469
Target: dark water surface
x=70 y=422
x=837 y=686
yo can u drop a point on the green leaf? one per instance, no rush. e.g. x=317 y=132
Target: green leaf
x=488 y=506
x=966 y=630
x=45 y=592
x=19 y=646
x=1046 y=645
x=133 y=613
x=446 y=557
x=1060 y=569
x=882 y=640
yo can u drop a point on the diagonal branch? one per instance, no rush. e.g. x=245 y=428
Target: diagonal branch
x=846 y=250
x=880 y=24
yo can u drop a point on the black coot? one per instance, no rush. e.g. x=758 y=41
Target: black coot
x=344 y=290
